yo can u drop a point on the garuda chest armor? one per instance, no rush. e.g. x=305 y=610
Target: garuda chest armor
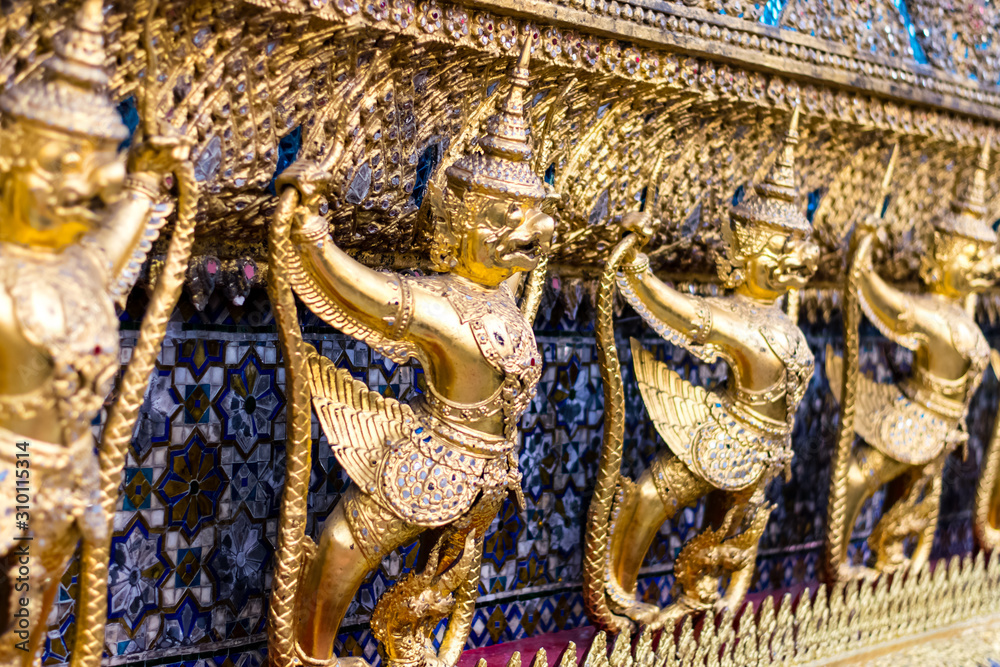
x=426 y=462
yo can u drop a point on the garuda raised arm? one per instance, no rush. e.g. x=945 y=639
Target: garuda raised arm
x=910 y=428
x=74 y=230
x=442 y=465
x=734 y=439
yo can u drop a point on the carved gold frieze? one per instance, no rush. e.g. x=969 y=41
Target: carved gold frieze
x=622 y=116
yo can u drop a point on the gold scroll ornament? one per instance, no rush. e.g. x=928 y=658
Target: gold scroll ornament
x=734 y=440
x=75 y=228
x=437 y=468
x=909 y=429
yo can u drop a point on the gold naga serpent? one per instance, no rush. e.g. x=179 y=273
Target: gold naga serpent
x=851 y=309
x=595 y=555
x=294 y=547
x=986 y=515
x=400 y=621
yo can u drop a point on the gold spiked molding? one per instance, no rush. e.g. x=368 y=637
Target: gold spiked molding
x=948 y=615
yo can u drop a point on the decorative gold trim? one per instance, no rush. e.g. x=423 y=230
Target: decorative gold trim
x=697 y=32
x=948 y=614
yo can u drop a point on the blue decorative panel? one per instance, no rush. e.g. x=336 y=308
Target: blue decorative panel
x=196 y=525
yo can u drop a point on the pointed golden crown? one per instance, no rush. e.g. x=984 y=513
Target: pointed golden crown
x=772 y=202
x=967 y=215
x=71 y=94
x=504 y=164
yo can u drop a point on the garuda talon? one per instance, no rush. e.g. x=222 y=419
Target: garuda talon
x=734 y=439
x=75 y=226
x=439 y=467
x=909 y=429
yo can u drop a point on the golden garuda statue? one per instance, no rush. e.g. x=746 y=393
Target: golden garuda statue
x=908 y=429
x=437 y=468
x=75 y=227
x=734 y=439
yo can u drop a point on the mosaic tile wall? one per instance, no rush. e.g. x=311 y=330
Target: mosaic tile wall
x=196 y=526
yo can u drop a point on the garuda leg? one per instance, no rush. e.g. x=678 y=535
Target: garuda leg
x=667 y=487
x=869 y=469
x=750 y=514
x=914 y=514
x=355 y=538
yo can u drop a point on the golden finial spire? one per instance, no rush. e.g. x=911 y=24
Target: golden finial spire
x=772 y=202
x=504 y=165
x=889 y=171
x=975 y=200
x=780 y=180
x=883 y=192
x=72 y=95
x=79 y=49
x=967 y=215
x=508 y=132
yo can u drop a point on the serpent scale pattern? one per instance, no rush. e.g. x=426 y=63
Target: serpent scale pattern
x=121 y=421
x=609 y=470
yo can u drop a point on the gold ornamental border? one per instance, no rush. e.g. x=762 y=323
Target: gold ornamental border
x=679 y=30
x=687 y=48
x=947 y=613
x=765 y=48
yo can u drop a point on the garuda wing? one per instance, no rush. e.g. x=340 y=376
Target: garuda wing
x=701 y=431
x=890 y=422
x=357 y=422
x=677 y=408
x=872 y=397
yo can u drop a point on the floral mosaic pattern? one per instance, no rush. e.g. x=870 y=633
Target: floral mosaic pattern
x=250 y=402
x=193 y=485
x=196 y=526
x=136 y=571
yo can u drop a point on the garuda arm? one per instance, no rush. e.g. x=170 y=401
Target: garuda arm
x=889 y=309
x=682 y=319
x=674 y=405
x=372 y=306
x=135 y=220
